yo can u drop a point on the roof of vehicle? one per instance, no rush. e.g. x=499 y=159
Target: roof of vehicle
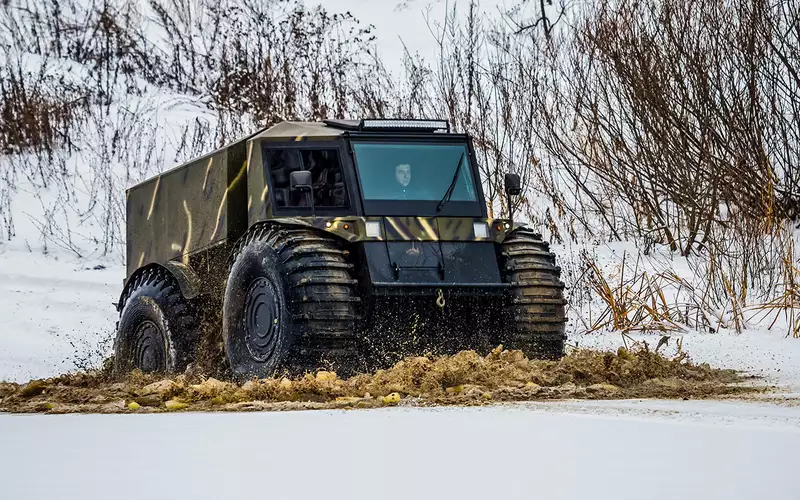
x=299 y=131
x=333 y=129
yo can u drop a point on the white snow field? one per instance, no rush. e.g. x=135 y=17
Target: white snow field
x=56 y=315
x=623 y=450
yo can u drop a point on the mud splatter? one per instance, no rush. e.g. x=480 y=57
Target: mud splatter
x=466 y=378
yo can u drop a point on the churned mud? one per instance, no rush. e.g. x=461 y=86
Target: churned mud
x=466 y=378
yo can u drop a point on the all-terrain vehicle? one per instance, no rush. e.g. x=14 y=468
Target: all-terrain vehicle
x=332 y=244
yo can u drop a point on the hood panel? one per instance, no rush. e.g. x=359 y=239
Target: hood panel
x=415 y=254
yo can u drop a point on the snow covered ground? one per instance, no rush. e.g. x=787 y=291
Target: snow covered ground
x=565 y=450
x=56 y=314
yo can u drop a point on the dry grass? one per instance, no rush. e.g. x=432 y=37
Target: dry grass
x=466 y=378
x=635 y=301
x=35 y=117
x=720 y=294
x=787 y=303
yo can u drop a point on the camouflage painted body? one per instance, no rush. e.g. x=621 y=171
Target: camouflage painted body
x=201 y=204
x=186 y=210
x=213 y=223
x=353 y=229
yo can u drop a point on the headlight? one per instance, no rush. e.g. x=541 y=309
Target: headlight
x=373 y=229
x=480 y=229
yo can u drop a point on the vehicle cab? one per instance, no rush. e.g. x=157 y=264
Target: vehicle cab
x=406 y=194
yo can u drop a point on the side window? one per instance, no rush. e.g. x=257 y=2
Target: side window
x=326 y=173
x=280 y=163
x=329 y=187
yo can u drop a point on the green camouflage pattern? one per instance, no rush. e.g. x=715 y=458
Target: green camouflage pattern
x=187 y=209
x=259 y=201
x=354 y=228
x=207 y=201
x=214 y=199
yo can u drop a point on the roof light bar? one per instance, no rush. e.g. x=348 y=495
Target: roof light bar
x=407 y=125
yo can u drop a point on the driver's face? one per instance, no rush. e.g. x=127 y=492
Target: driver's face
x=403 y=174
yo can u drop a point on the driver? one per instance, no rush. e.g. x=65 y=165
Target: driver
x=402 y=174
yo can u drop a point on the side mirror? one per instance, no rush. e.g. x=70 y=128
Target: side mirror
x=513 y=185
x=300 y=179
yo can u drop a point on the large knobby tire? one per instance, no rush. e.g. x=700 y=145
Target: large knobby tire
x=157 y=330
x=290 y=302
x=535 y=312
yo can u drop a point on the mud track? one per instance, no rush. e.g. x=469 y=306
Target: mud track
x=466 y=378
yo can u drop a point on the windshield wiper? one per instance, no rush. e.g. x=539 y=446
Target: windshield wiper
x=450 y=189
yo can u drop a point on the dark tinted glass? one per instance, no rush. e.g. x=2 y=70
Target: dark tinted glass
x=413 y=171
x=329 y=189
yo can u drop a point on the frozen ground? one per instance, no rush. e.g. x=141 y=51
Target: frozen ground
x=616 y=450
x=55 y=313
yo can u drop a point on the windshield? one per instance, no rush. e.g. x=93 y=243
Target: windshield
x=413 y=172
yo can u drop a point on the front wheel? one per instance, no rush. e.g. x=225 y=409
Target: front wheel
x=256 y=319
x=291 y=302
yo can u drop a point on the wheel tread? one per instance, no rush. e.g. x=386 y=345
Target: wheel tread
x=181 y=316
x=322 y=291
x=536 y=302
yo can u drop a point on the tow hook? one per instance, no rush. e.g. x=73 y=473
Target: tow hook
x=440 y=298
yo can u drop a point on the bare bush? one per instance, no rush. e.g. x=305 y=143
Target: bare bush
x=676 y=108
x=86 y=86
x=37 y=113
x=267 y=60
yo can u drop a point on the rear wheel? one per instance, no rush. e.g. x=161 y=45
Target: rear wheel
x=536 y=306
x=156 y=329
x=290 y=300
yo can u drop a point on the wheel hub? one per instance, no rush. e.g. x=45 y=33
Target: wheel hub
x=149 y=355
x=262 y=324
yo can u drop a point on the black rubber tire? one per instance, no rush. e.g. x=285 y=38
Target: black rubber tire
x=256 y=321
x=157 y=329
x=314 y=294
x=535 y=311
